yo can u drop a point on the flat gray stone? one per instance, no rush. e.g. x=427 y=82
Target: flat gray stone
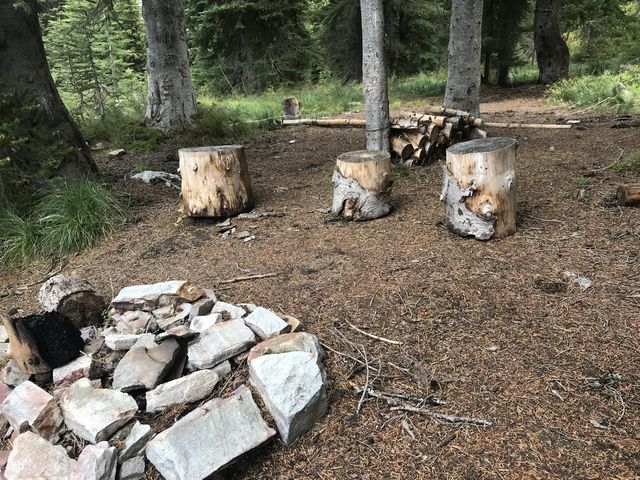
x=289 y=342
x=132 y=469
x=179 y=331
x=146 y=367
x=96 y=462
x=136 y=441
x=201 y=323
x=134 y=322
x=201 y=308
x=223 y=369
x=30 y=407
x=95 y=413
x=188 y=389
x=232 y=310
x=11 y=374
x=33 y=458
x=220 y=342
x=72 y=371
x=292 y=387
x=120 y=341
x=209 y=438
x=265 y=323
x=4 y=336
x=149 y=297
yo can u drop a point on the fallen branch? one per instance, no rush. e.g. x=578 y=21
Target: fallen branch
x=370 y=335
x=444 y=417
x=529 y=125
x=366 y=381
x=248 y=277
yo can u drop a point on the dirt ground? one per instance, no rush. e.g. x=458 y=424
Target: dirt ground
x=492 y=329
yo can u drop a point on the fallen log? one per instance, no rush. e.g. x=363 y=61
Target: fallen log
x=629 y=195
x=401 y=147
x=550 y=126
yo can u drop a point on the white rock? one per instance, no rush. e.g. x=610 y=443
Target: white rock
x=292 y=387
x=134 y=322
x=249 y=307
x=4 y=349
x=223 y=369
x=72 y=371
x=132 y=469
x=201 y=308
x=182 y=312
x=4 y=336
x=265 y=323
x=289 y=342
x=151 y=176
x=29 y=406
x=188 y=389
x=95 y=414
x=209 y=438
x=220 y=342
x=136 y=441
x=233 y=310
x=33 y=458
x=96 y=462
x=148 y=297
x=121 y=341
x=11 y=374
x=201 y=323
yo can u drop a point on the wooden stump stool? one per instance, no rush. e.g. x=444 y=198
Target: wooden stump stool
x=360 y=185
x=215 y=181
x=479 y=188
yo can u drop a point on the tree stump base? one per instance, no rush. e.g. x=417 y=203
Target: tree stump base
x=479 y=188
x=74 y=298
x=215 y=181
x=360 y=185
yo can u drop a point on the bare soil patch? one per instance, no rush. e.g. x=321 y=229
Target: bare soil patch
x=493 y=329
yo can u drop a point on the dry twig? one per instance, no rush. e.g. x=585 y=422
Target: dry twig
x=443 y=416
x=370 y=335
x=247 y=277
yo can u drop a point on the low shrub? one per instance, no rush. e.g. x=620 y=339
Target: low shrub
x=598 y=93
x=627 y=164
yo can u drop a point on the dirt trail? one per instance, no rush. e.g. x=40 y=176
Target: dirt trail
x=493 y=329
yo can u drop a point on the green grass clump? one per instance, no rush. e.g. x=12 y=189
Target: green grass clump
x=581 y=181
x=68 y=217
x=597 y=93
x=627 y=164
x=418 y=87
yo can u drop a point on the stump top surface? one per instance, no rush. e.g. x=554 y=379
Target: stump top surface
x=361 y=156
x=482 y=145
x=217 y=148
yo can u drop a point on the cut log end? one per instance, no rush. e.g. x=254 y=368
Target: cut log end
x=360 y=185
x=628 y=195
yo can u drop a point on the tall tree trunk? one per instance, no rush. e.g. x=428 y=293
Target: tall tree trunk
x=551 y=49
x=171 y=101
x=374 y=75
x=25 y=75
x=465 y=36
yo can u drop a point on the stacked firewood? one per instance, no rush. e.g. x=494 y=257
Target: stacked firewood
x=418 y=138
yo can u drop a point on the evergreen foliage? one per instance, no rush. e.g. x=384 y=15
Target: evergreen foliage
x=248 y=45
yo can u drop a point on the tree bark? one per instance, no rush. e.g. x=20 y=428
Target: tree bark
x=463 y=76
x=73 y=298
x=551 y=49
x=171 y=101
x=25 y=76
x=215 y=181
x=374 y=75
x=479 y=188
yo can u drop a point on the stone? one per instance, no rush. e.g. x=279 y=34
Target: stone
x=134 y=322
x=30 y=407
x=132 y=469
x=179 y=331
x=4 y=336
x=201 y=308
x=294 y=323
x=149 y=297
x=220 y=342
x=233 y=311
x=96 y=462
x=181 y=313
x=199 y=324
x=223 y=369
x=5 y=391
x=147 y=366
x=188 y=389
x=136 y=441
x=249 y=307
x=95 y=413
x=4 y=349
x=265 y=323
x=72 y=371
x=34 y=458
x=117 y=153
x=289 y=342
x=153 y=177
x=12 y=376
x=209 y=438
x=122 y=341
x=292 y=387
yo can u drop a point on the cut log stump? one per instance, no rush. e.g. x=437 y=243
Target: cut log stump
x=360 y=185
x=629 y=195
x=215 y=181
x=479 y=188
x=74 y=298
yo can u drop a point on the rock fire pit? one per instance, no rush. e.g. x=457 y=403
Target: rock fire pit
x=167 y=347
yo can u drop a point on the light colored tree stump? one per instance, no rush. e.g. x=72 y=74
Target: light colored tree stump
x=74 y=298
x=360 y=185
x=215 y=181
x=479 y=188
x=24 y=348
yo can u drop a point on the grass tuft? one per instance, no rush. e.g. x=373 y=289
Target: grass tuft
x=18 y=238
x=627 y=164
